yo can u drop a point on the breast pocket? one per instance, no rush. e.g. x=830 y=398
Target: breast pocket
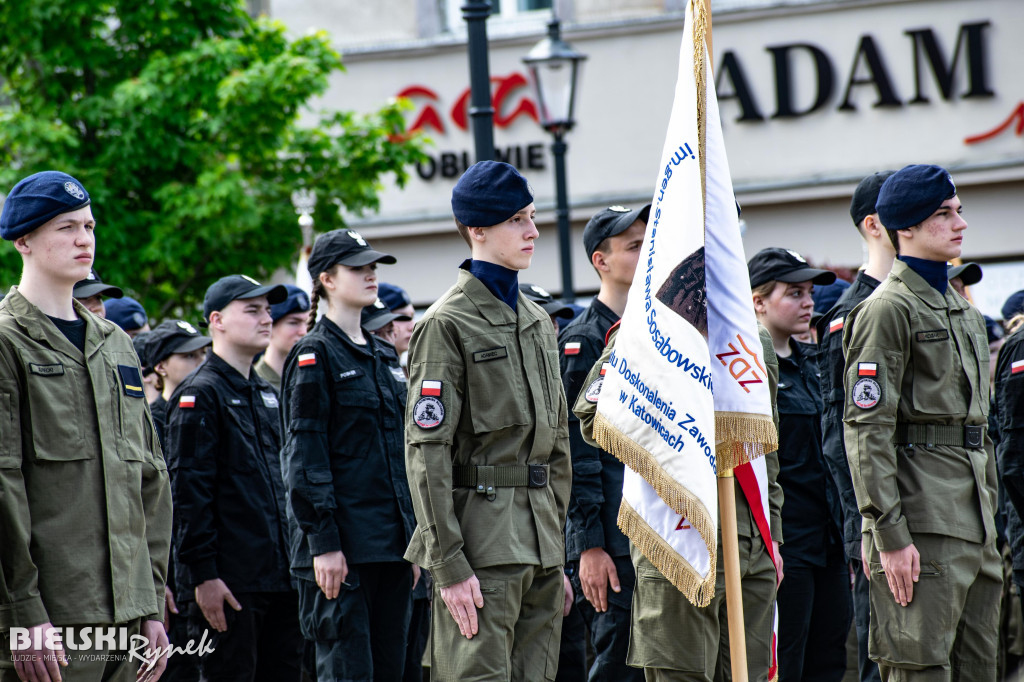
x=355 y=421
x=552 y=384
x=55 y=390
x=495 y=395
x=938 y=383
x=128 y=403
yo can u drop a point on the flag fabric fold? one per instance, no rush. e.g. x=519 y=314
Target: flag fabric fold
x=686 y=394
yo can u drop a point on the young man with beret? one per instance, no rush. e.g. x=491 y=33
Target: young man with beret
x=831 y=366
x=85 y=507
x=290 y=320
x=230 y=530
x=487 y=448
x=917 y=401
x=597 y=552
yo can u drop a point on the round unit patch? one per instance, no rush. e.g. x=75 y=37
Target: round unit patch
x=594 y=390
x=428 y=412
x=866 y=393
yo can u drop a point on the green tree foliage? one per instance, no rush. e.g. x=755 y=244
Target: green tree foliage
x=182 y=119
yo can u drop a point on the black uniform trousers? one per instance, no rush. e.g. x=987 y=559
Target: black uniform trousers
x=262 y=642
x=360 y=635
x=814 y=621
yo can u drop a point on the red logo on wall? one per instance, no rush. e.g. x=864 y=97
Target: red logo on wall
x=1016 y=120
x=507 y=99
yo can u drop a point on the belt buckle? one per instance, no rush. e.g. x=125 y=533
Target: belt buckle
x=974 y=436
x=538 y=475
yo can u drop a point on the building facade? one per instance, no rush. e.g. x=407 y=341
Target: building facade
x=815 y=94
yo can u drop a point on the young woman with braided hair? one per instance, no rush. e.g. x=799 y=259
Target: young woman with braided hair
x=343 y=402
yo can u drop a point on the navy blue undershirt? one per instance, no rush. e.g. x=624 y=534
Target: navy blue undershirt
x=500 y=281
x=933 y=271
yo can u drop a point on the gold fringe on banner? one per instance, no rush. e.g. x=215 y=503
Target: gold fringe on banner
x=675 y=568
x=696 y=588
x=742 y=436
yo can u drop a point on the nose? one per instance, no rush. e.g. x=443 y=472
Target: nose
x=532 y=232
x=960 y=224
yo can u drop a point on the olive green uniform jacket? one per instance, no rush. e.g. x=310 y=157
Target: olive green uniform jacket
x=85 y=505
x=931 y=360
x=503 y=405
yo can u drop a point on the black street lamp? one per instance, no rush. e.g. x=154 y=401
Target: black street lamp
x=555 y=65
x=481 y=113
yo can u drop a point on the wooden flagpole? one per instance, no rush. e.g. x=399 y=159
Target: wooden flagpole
x=727 y=488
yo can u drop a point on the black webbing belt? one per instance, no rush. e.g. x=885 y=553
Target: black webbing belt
x=927 y=435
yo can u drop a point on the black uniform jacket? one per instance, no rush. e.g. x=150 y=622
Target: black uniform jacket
x=1010 y=407
x=811 y=518
x=344 y=454
x=596 y=475
x=832 y=364
x=223 y=450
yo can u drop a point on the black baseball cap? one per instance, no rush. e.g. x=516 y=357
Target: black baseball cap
x=173 y=336
x=784 y=265
x=609 y=222
x=346 y=247
x=969 y=273
x=142 y=349
x=239 y=287
x=866 y=195
x=552 y=306
x=378 y=314
x=92 y=285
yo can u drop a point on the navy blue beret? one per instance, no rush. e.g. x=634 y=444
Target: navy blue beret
x=912 y=194
x=297 y=302
x=126 y=313
x=393 y=296
x=38 y=199
x=490 y=192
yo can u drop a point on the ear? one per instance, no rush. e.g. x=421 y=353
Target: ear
x=160 y=368
x=216 y=321
x=599 y=261
x=21 y=244
x=873 y=226
x=477 y=234
x=327 y=280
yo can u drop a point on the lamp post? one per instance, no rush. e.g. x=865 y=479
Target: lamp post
x=554 y=66
x=481 y=113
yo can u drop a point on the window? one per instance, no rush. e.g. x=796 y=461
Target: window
x=504 y=14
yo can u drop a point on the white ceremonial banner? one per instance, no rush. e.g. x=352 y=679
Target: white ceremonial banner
x=686 y=393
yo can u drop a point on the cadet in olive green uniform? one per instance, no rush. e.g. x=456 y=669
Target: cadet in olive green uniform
x=85 y=507
x=488 y=449
x=917 y=386
x=673 y=640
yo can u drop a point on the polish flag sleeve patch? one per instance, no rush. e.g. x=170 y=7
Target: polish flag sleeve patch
x=867 y=369
x=572 y=348
x=307 y=360
x=430 y=388
x=836 y=325
x=1017 y=367
x=187 y=401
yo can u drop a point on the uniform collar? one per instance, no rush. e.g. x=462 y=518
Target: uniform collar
x=933 y=272
x=925 y=291
x=331 y=328
x=39 y=327
x=499 y=280
x=235 y=379
x=496 y=312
